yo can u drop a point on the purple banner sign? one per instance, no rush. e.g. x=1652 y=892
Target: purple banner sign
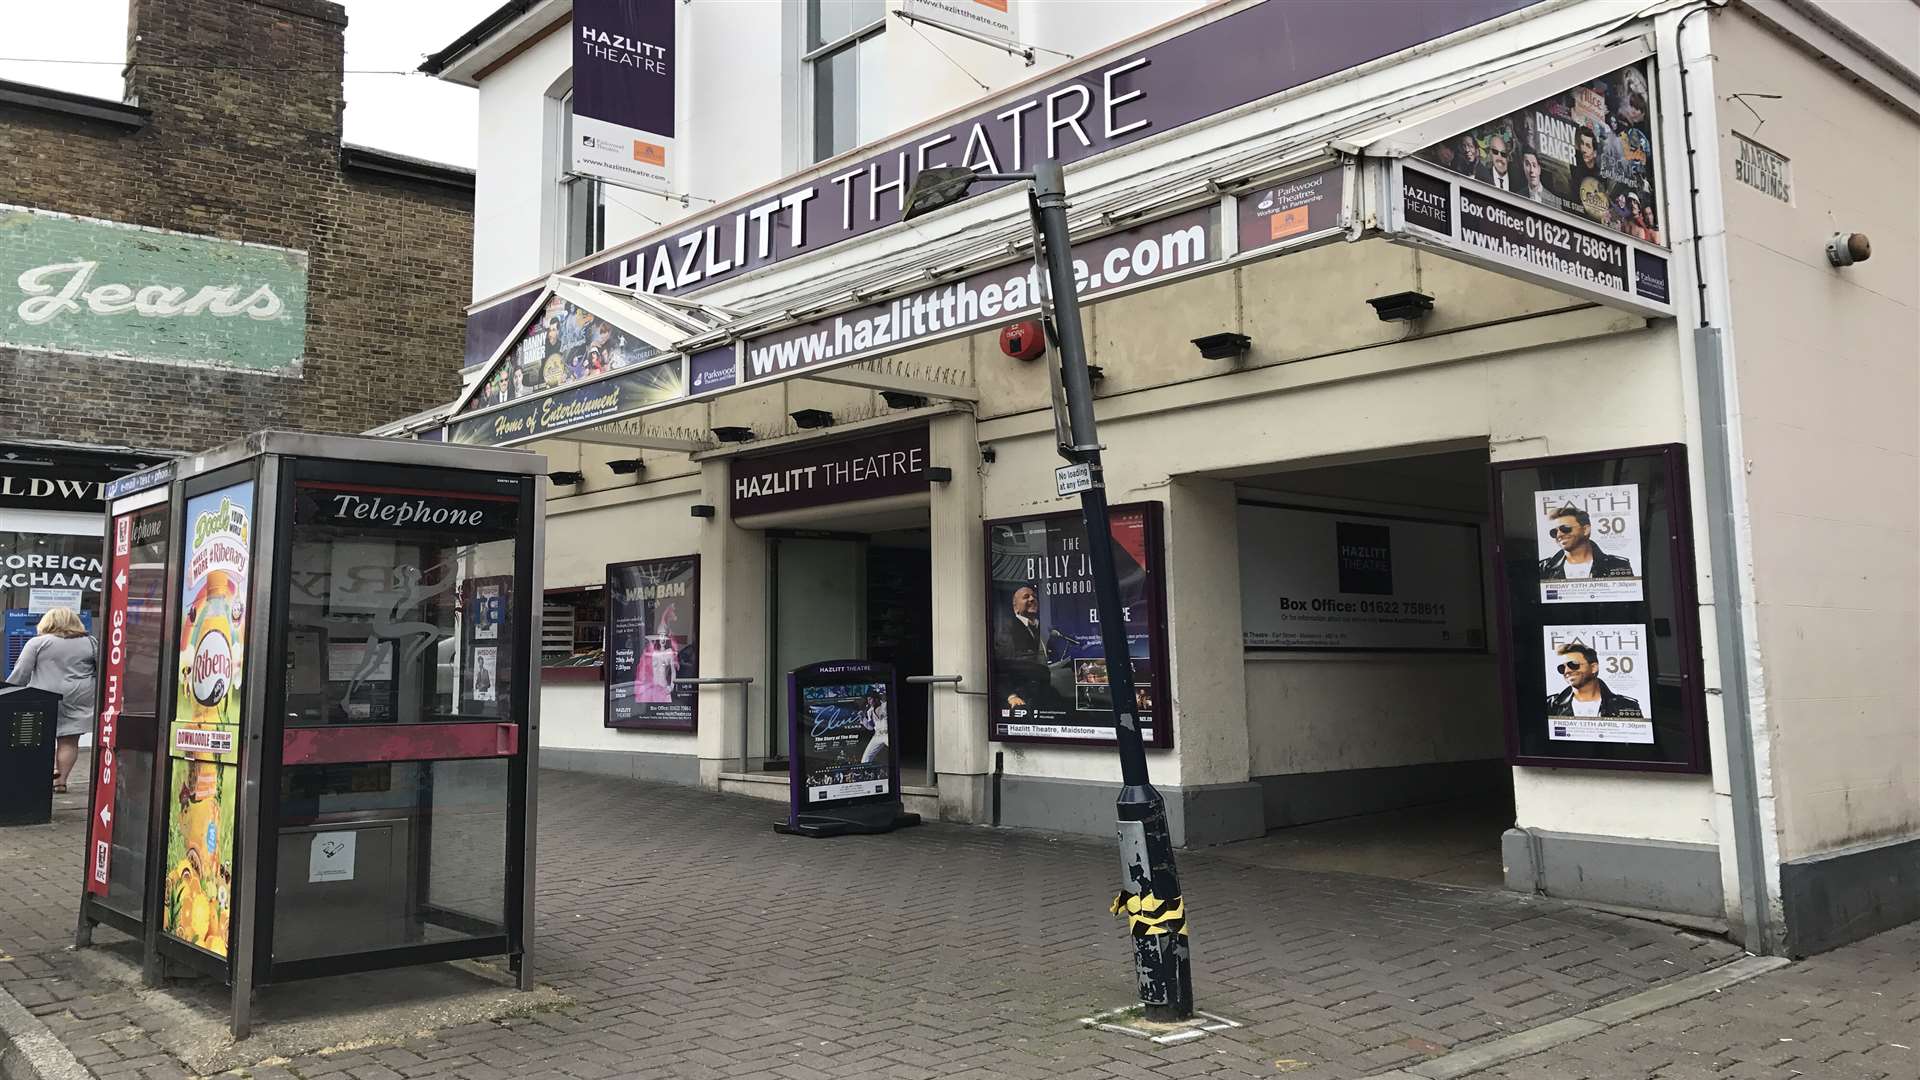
x=1216 y=66
x=623 y=61
x=1106 y=263
x=891 y=463
x=1291 y=209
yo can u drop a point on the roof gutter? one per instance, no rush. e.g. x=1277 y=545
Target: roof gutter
x=473 y=38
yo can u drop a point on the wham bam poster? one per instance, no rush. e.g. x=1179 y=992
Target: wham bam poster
x=1589 y=544
x=204 y=737
x=1598 y=690
x=653 y=622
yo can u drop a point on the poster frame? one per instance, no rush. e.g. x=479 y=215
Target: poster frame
x=1683 y=603
x=130 y=501
x=1160 y=662
x=163 y=945
x=828 y=672
x=1480 y=582
x=692 y=727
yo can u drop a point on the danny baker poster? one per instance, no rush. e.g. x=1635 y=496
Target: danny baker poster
x=1047 y=670
x=653 y=621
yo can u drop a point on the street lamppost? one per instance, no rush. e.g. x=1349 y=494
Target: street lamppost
x=1150 y=883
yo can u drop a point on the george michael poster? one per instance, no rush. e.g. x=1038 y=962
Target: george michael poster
x=1589 y=544
x=1598 y=686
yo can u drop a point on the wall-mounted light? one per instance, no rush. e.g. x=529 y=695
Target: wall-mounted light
x=701 y=510
x=988 y=454
x=1224 y=346
x=1845 y=249
x=733 y=434
x=1096 y=374
x=939 y=474
x=812 y=418
x=1402 y=306
x=900 y=399
x=567 y=477
x=626 y=466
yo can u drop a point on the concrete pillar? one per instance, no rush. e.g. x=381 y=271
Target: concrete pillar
x=959 y=735
x=733 y=631
x=1217 y=803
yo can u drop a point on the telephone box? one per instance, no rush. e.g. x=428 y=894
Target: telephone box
x=319 y=698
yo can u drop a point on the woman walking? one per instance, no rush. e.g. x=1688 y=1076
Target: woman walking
x=61 y=659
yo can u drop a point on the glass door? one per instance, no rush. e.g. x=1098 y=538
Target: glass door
x=395 y=806
x=819 y=613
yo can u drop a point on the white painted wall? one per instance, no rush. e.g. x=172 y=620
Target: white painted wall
x=584 y=534
x=1309 y=713
x=1829 y=396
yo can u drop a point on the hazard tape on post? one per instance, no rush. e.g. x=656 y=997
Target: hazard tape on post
x=1148 y=915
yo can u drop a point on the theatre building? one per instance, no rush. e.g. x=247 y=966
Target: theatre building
x=1509 y=413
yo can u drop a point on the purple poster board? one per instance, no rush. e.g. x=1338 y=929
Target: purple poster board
x=623 y=100
x=840 y=717
x=1046 y=667
x=653 y=638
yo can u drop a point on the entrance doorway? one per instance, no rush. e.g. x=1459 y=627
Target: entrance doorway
x=1373 y=694
x=853 y=596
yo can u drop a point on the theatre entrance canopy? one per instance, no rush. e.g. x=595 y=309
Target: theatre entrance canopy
x=1542 y=165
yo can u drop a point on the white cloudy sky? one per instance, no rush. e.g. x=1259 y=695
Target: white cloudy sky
x=407 y=114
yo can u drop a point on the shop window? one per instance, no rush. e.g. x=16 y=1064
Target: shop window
x=839 y=58
x=573 y=629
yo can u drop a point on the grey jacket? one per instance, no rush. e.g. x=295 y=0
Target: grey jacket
x=66 y=667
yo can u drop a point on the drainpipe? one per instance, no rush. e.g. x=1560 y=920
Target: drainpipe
x=1722 y=465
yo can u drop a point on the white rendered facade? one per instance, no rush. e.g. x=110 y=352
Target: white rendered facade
x=1335 y=409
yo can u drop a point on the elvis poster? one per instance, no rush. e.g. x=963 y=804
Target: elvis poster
x=843 y=732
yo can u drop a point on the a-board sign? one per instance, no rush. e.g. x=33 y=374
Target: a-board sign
x=840 y=716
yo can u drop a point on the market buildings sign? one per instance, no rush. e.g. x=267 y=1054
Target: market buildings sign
x=103 y=288
x=1216 y=66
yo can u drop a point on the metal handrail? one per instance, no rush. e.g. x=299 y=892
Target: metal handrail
x=745 y=683
x=931 y=681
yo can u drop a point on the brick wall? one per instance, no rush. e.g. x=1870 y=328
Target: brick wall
x=244 y=144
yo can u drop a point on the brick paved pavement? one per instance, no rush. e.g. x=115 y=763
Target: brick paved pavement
x=1851 y=1014
x=694 y=942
